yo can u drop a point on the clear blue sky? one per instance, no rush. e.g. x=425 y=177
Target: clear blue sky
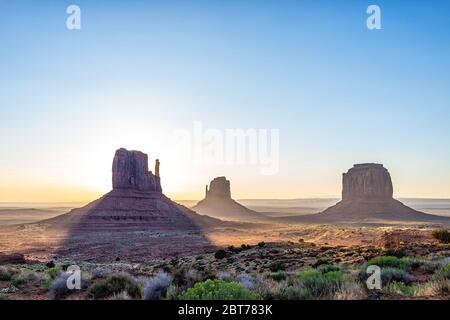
x=339 y=93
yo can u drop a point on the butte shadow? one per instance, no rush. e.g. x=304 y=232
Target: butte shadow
x=133 y=222
x=367 y=198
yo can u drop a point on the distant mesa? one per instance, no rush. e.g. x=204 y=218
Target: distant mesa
x=219 y=204
x=367 y=196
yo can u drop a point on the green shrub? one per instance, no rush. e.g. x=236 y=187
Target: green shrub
x=442 y=235
x=3 y=297
x=321 y=284
x=401 y=289
x=52 y=273
x=4 y=274
x=443 y=273
x=278 y=276
x=115 y=284
x=389 y=261
x=325 y=268
x=294 y=293
x=218 y=290
x=18 y=280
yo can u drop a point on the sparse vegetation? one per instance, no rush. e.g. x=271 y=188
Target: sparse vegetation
x=443 y=273
x=401 y=289
x=389 y=261
x=218 y=290
x=325 y=268
x=58 y=288
x=115 y=284
x=442 y=235
x=389 y=275
x=156 y=288
x=4 y=275
x=320 y=285
x=323 y=272
x=278 y=276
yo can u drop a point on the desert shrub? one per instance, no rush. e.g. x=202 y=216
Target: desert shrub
x=58 y=288
x=261 y=244
x=115 y=284
x=4 y=274
x=18 y=279
x=441 y=287
x=294 y=293
x=442 y=235
x=349 y=291
x=321 y=284
x=278 y=276
x=248 y=281
x=401 y=289
x=389 y=261
x=397 y=252
x=220 y=254
x=52 y=273
x=156 y=288
x=269 y=289
x=218 y=290
x=389 y=275
x=443 y=273
x=276 y=266
x=98 y=273
x=325 y=268
x=225 y=276
x=3 y=297
x=421 y=264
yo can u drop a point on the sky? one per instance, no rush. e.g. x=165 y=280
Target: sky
x=138 y=71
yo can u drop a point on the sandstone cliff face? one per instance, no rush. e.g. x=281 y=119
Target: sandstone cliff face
x=220 y=188
x=367 y=181
x=130 y=171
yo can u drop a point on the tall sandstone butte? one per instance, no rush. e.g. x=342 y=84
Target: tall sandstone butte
x=130 y=171
x=367 y=181
x=134 y=220
x=219 y=204
x=367 y=196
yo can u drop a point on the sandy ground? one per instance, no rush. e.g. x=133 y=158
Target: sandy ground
x=38 y=242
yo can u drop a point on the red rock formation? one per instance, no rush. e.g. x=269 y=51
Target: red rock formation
x=367 y=181
x=367 y=196
x=219 y=204
x=219 y=187
x=135 y=217
x=130 y=171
